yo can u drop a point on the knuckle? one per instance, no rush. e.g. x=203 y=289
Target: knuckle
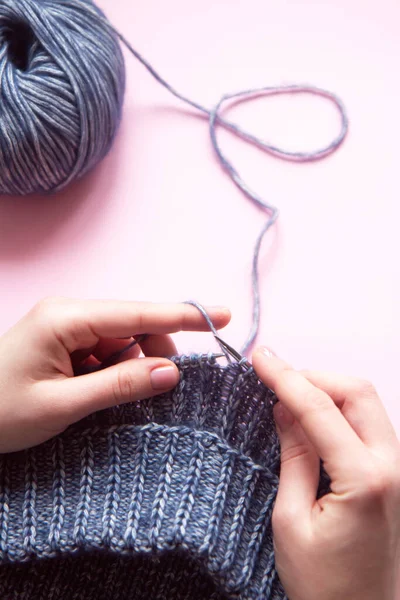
x=283 y=379
x=75 y=333
x=124 y=387
x=141 y=318
x=380 y=483
x=63 y=318
x=316 y=399
x=307 y=373
x=47 y=308
x=185 y=318
x=365 y=388
x=294 y=452
x=49 y=302
x=316 y=403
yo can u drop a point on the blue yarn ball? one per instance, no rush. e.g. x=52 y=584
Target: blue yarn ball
x=62 y=83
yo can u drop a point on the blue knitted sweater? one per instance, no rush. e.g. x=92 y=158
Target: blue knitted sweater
x=165 y=499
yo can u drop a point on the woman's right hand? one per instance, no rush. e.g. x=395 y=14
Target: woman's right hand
x=346 y=545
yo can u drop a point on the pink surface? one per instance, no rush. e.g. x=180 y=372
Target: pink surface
x=159 y=220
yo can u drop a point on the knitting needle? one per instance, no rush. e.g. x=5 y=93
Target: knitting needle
x=234 y=353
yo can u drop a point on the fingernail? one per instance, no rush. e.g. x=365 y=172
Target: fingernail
x=164 y=378
x=267 y=352
x=283 y=418
x=220 y=309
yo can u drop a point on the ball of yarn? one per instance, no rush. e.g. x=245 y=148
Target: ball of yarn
x=62 y=82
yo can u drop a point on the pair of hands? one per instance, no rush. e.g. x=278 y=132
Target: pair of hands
x=345 y=545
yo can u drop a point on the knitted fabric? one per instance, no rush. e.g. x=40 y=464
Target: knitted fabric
x=169 y=498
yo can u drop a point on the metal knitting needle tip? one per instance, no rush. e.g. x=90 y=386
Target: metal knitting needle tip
x=242 y=360
x=236 y=355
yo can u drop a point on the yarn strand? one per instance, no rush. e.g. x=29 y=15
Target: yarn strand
x=91 y=16
x=215 y=119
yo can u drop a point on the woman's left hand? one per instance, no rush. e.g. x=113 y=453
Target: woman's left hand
x=39 y=395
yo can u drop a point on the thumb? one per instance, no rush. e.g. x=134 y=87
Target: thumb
x=299 y=476
x=128 y=381
x=300 y=465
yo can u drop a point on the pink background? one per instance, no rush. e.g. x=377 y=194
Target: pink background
x=159 y=220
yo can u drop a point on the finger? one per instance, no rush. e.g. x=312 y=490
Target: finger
x=324 y=425
x=80 y=324
x=79 y=356
x=158 y=345
x=87 y=366
x=360 y=404
x=129 y=381
x=299 y=475
x=107 y=347
x=104 y=349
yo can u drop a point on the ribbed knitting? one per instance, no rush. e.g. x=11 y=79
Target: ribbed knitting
x=169 y=498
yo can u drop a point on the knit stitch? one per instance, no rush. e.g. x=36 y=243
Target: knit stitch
x=167 y=498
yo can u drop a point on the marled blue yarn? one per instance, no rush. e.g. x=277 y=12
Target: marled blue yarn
x=61 y=112
x=61 y=102
x=165 y=499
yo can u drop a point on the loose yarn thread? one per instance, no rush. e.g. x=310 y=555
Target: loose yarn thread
x=62 y=81
x=214 y=119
